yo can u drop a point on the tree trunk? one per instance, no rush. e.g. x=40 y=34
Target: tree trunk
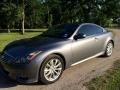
x=50 y=17
x=8 y=26
x=23 y=19
x=50 y=20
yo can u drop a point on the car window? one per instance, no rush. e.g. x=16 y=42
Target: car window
x=90 y=30
x=61 y=31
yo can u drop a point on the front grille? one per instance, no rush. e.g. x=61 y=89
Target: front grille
x=9 y=59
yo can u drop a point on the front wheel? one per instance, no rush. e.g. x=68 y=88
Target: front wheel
x=109 y=49
x=51 y=69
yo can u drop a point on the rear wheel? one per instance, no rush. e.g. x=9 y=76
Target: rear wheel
x=109 y=49
x=51 y=69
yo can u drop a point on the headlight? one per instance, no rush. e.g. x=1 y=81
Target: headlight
x=32 y=55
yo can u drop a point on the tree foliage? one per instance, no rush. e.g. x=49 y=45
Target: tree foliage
x=45 y=13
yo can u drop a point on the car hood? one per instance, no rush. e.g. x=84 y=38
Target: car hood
x=25 y=46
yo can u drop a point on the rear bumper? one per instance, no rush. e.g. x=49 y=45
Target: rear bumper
x=25 y=73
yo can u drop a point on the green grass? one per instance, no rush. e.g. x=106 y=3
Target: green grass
x=6 y=38
x=109 y=81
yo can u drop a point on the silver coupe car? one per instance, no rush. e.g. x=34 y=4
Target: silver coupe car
x=44 y=58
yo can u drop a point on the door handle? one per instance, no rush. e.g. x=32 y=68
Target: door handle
x=96 y=38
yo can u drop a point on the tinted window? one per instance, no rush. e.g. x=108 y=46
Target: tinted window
x=61 y=31
x=90 y=30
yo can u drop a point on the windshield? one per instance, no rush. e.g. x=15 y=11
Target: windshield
x=61 y=31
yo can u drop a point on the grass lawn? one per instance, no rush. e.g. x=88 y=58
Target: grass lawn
x=6 y=38
x=109 y=81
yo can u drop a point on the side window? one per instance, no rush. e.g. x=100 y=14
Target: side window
x=90 y=30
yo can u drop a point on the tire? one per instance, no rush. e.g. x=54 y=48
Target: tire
x=109 y=49
x=51 y=69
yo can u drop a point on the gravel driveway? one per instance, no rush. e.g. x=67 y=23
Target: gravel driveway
x=74 y=77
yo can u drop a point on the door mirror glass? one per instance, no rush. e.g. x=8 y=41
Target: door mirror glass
x=79 y=36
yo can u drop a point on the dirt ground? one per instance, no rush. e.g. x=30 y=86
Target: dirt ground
x=74 y=77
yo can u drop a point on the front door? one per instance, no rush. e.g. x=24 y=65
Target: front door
x=84 y=48
x=88 y=46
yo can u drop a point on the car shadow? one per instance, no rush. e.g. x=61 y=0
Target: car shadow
x=102 y=56
x=33 y=84
x=5 y=82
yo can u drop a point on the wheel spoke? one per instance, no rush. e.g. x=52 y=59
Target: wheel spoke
x=46 y=70
x=52 y=62
x=47 y=74
x=55 y=72
x=58 y=69
x=50 y=76
x=48 y=65
x=54 y=75
x=56 y=62
x=58 y=65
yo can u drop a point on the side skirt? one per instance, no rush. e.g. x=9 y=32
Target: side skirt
x=96 y=55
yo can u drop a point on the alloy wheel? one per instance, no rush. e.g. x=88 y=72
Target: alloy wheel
x=53 y=69
x=109 y=49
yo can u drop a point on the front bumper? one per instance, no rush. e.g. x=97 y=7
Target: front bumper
x=23 y=73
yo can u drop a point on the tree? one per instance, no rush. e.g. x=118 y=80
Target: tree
x=45 y=13
x=23 y=17
x=10 y=14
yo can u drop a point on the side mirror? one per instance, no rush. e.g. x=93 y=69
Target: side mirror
x=79 y=36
